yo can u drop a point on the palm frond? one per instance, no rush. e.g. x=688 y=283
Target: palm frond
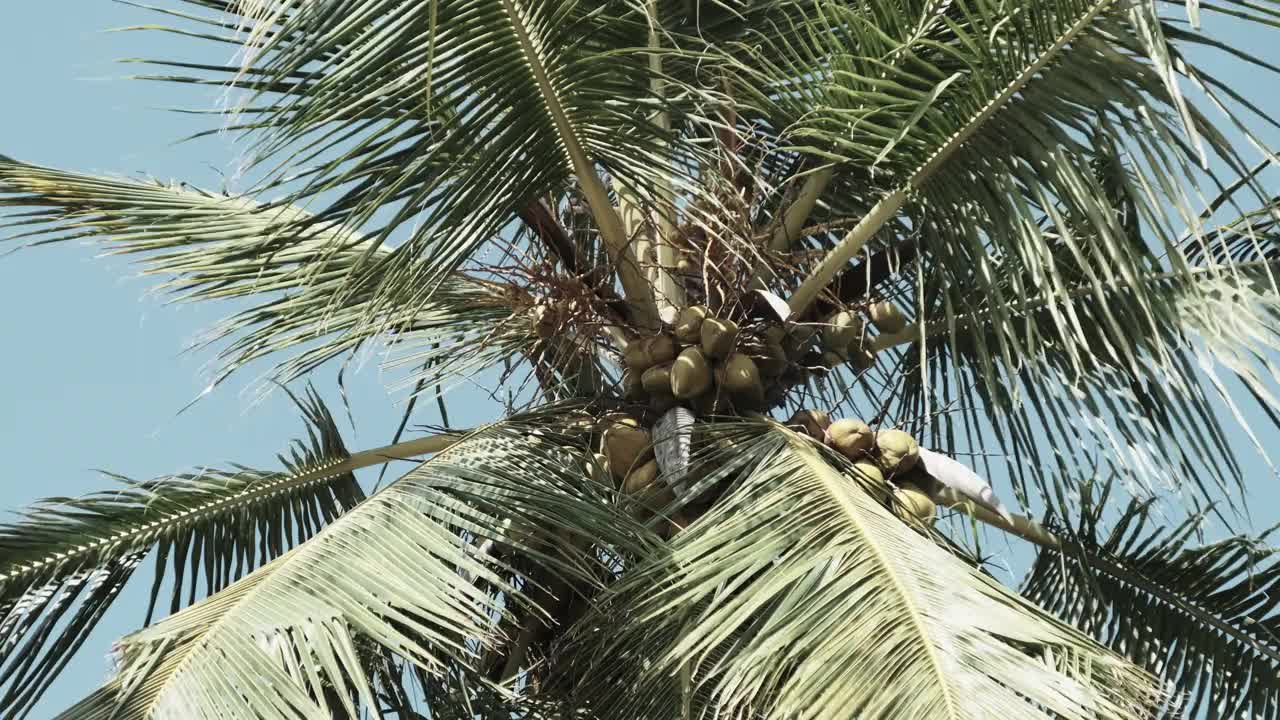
x=409 y=570
x=1203 y=617
x=800 y=595
x=212 y=246
x=65 y=560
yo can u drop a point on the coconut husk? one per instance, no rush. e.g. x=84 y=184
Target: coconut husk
x=718 y=337
x=851 y=438
x=690 y=374
x=898 y=451
x=887 y=317
x=657 y=379
x=813 y=423
x=688 y=329
x=626 y=446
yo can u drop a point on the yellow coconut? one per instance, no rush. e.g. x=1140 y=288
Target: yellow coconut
x=813 y=423
x=718 y=337
x=899 y=452
x=913 y=502
x=851 y=438
x=869 y=472
x=742 y=378
x=690 y=374
x=626 y=446
x=657 y=379
x=688 y=328
x=887 y=317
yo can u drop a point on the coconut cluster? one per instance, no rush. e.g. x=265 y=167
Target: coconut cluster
x=714 y=365
x=878 y=455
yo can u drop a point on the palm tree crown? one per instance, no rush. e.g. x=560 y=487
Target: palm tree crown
x=789 y=298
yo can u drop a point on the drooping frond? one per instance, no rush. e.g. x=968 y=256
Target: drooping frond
x=65 y=560
x=799 y=595
x=409 y=571
x=1204 y=617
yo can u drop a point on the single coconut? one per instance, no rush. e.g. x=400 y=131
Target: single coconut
x=690 y=374
x=887 y=317
x=851 y=438
x=640 y=478
x=625 y=446
x=862 y=358
x=775 y=334
x=657 y=379
x=632 y=387
x=718 y=337
x=772 y=360
x=915 y=503
x=643 y=353
x=842 y=330
x=598 y=468
x=742 y=377
x=714 y=402
x=898 y=451
x=663 y=401
x=688 y=328
x=813 y=423
x=868 y=471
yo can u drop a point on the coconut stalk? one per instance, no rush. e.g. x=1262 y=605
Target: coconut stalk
x=635 y=286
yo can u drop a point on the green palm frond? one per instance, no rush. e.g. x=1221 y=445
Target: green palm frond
x=1204 y=617
x=65 y=560
x=211 y=246
x=408 y=570
x=800 y=595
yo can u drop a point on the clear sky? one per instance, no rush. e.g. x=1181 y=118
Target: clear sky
x=92 y=373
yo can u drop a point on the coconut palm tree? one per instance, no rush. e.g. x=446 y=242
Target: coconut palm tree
x=794 y=303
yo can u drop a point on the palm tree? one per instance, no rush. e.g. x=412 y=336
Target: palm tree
x=794 y=303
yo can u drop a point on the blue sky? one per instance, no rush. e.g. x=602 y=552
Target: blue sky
x=94 y=375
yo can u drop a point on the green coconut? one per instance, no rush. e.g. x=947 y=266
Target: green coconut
x=914 y=502
x=775 y=334
x=643 y=353
x=626 y=445
x=640 y=478
x=598 y=468
x=772 y=360
x=632 y=385
x=862 y=358
x=813 y=423
x=718 y=337
x=899 y=452
x=742 y=378
x=851 y=438
x=657 y=379
x=841 y=331
x=690 y=374
x=688 y=329
x=887 y=317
